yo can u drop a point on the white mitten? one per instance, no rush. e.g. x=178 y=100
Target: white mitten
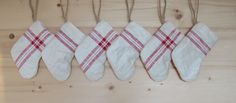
x=91 y=52
x=156 y=55
x=190 y=52
x=59 y=53
x=125 y=50
x=26 y=52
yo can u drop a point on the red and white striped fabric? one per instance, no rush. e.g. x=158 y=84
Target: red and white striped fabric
x=59 y=53
x=156 y=55
x=125 y=50
x=190 y=52
x=91 y=52
x=26 y=52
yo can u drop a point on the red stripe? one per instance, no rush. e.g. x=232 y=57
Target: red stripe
x=33 y=34
x=174 y=41
x=109 y=34
x=94 y=38
x=66 y=41
x=88 y=57
x=201 y=41
x=98 y=34
x=135 y=39
x=155 y=51
x=41 y=33
x=164 y=34
x=99 y=52
x=21 y=54
x=95 y=49
x=27 y=37
x=150 y=66
x=126 y=39
x=46 y=37
x=113 y=38
x=68 y=38
x=109 y=39
x=63 y=42
x=43 y=40
x=172 y=32
x=29 y=55
x=197 y=45
x=175 y=38
x=95 y=58
x=35 y=42
x=98 y=49
x=171 y=47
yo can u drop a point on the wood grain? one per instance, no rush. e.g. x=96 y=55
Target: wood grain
x=216 y=82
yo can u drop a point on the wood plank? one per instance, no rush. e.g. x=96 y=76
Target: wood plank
x=215 y=13
x=216 y=82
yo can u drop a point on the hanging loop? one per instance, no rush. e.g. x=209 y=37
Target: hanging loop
x=65 y=11
x=194 y=10
x=161 y=12
x=97 y=14
x=34 y=10
x=129 y=9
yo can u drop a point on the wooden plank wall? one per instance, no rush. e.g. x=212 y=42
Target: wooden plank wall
x=216 y=82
